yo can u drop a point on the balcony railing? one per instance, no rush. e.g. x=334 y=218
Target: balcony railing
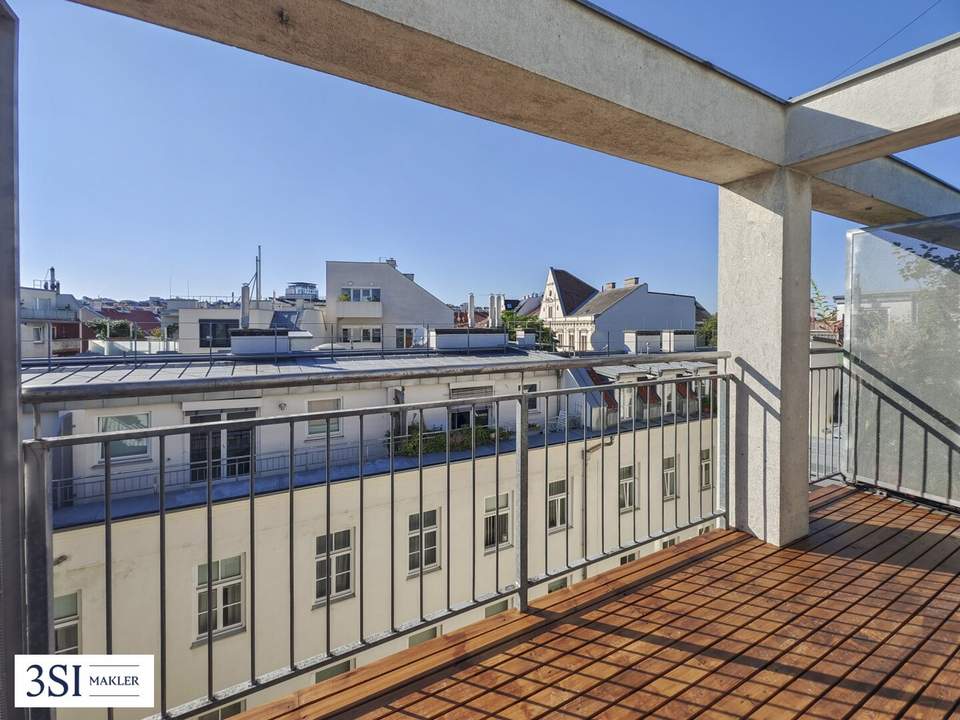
x=439 y=526
x=47 y=313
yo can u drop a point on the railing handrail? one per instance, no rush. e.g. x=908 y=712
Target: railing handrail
x=249 y=423
x=34 y=395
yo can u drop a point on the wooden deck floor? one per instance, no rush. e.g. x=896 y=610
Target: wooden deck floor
x=859 y=619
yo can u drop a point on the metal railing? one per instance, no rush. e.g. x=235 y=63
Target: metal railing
x=584 y=492
x=869 y=430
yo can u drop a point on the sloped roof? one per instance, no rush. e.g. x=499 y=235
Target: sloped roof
x=530 y=306
x=571 y=290
x=700 y=312
x=603 y=301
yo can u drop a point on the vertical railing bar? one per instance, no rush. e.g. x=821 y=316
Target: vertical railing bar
x=876 y=450
x=699 y=479
x=603 y=455
x=900 y=454
x=253 y=556
x=473 y=505
x=496 y=491
x=856 y=434
x=923 y=486
x=360 y=593
x=449 y=500
x=676 y=453
x=328 y=511
x=108 y=551
x=619 y=462
x=523 y=522
x=821 y=421
x=663 y=474
x=393 y=533
x=839 y=418
x=546 y=490
x=163 y=575
x=423 y=550
x=689 y=486
x=566 y=478
x=586 y=514
x=291 y=578
x=636 y=485
x=210 y=599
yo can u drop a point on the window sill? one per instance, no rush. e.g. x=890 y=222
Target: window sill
x=416 y=573
x=559 y=529
x=631 y=509
x=322 y=437
x=334 y=599
x=493 y=551
x=201 y=641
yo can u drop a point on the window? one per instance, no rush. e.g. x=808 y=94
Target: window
x=669 y=478
x=496 y=522
x=706 y=470
x=318 y=428
x=571 y=341
x=37 y=333
x=532 y=402
x=630 y=557
x=360 y=334
x=668 y=391
x=226 y=711
x=424 y=635
x=66 y=624
x=224 y=609
x=460 y=416
x=121 y=449
x=496 y=608
x=626 y=495
x=406 y=337
x=431 y=536
x=583 y=341
x=333 y=670
x=557 y=504
x=668 y=543
x=216 y=333
x=558 y=584
x=341 y=558
x=360 y=294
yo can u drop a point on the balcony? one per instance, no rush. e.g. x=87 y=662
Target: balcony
x=860 y=618
x=366 y=309
x=47 y=313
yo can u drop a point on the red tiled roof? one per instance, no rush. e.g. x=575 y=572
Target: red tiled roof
x=142 y=318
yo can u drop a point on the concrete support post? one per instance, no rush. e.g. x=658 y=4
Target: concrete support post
x=764 y=310
x=12 y=621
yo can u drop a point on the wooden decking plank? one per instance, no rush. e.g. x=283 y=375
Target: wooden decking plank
x=588 y=681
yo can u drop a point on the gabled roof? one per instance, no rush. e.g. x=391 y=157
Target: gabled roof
x=603 y=301
x=571 y=290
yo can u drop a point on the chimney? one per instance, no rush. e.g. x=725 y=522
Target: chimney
x=471 y=309
x=501 y=303
x=392 y=262
x=245 y=306
x=609 y=285
x=492 y=309
x=631 y=281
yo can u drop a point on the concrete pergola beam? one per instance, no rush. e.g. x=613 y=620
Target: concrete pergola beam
x=909 y=101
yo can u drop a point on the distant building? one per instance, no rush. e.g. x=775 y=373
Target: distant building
x=586 y=319
x=49 y=321
x=302 y=291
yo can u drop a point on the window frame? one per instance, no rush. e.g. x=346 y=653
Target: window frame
x=214 y=341
x=321 y=557
x=217 y=585
x=504 y=511
x=629 y=481
x=136 y=457
x=67 y=621
x=533 y=403
x=415 y=534
x=706 y=469
x=672 y=471
x=357 y=294
x=336 y=424
x=563 y=501
x=37 y=333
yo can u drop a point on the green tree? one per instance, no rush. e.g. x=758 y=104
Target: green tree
x=546 y=338
x=823 y=309
x=707 y=332
x=114 y=329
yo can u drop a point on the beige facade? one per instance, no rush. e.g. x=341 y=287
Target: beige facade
x=593 y=509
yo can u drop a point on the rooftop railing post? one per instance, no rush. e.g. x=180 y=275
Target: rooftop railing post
x=523 y=519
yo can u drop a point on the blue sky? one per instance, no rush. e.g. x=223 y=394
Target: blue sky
x=150 y=159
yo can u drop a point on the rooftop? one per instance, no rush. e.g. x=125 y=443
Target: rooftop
x=860 y=617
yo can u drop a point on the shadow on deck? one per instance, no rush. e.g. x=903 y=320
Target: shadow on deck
x=859 y=618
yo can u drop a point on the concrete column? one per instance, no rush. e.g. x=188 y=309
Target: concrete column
x=12 y=621
x=763 y=309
